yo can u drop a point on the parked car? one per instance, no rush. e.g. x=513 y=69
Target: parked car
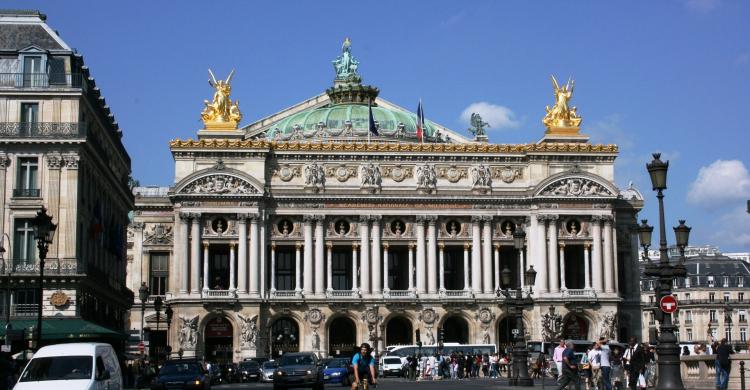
x=337 y=371
x=228 y=372
x=266 y=371
x=72 y=366
x=248 y=371
x=299 y=369
x=182 y=374
x=391 y=366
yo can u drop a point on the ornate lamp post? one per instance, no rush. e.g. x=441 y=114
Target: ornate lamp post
x=668 y=351
x=728 y=321
x=515 y=303
x=157 y=306
x=169 y=313
x=143 y=294
x=44 y=232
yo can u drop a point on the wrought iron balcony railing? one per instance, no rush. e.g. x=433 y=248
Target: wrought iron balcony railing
x=52 y=266
x=42 y=129
x=41 y=80
x=26 y=192
x=219 y=294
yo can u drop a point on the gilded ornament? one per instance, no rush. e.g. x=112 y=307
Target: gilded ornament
x=561 y=118
x=58 y=299
x=221 y=113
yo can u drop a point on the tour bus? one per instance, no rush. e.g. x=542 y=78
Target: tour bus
x=403 y=351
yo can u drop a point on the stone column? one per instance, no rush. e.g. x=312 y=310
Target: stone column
x=476 y=255
x=467 y=286
x=421 y=285
x=205 y=265
x=242 y=254
x=183 y=258
x=364 y=251
x=554 y=274
x=596 y=253
x=232 y=267
x=4 y=163
x=615 y=262
x=563 y=285
x=54 y=163
x=66 y=228
x=441 y=246
x=586 y=264
x=609 y=285
x=375 y=260
x=355 y=249
x=320 y=269
x=522 y=267
x=329 y=265
x=411 y=266
x=487 y=255
x=541 y=254
x=307 y=229
x=432 y=261
x=386 y=287
x=273 y=267
x=497 y=266
x=297 y=266
x=195 y=254
x=255 y=271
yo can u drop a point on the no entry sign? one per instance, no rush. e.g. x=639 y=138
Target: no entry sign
x=668 y=304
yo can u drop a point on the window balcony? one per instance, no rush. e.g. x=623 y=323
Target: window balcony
x=456 y=294
x=343 y=294
x=286 y=294
x=41 y=80
x=26 y=192
x=52 y=266
x=219 y=295
x=399 y=294
x=42 y=130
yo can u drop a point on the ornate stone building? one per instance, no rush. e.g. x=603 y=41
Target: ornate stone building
x=60 y=147
x=318 y=228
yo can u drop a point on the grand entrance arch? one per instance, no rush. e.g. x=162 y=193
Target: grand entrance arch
x=342 y=337
x=505 y=333
x=575 y=327
x=285 y=336
x=218 y=339
x=456 y=330
x=398 y=331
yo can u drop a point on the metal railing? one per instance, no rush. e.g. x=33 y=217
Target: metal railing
x=219 y=294
x=52 y=266
x=398 y=294
x=456 y=294
x=26 y=192
x=42 y=129
x=24 y=310
x=342 y=294
x=41 y=80
x=288 y=294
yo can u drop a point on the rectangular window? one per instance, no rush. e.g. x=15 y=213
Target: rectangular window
x=726 y=297
x=711 y=297
x=743 y=334
x=651 y=320
x=687 y=282
x=27 y=184
x=688 y=316
x=285 y=258
x=687 y=296
x=159 y=272
x=712 y=315
x=689 y=334
x=741 y=296
x=26 y=303
x=726 y=281
x=24 y=248
x=341 y=269
x=740 y=281
x=710 y=281
x=29 y=118
x=32 y=71
x=728 y=334
x=742 y=315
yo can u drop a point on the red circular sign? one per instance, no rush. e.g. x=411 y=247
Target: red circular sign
x=141 y=347
x=668 y=304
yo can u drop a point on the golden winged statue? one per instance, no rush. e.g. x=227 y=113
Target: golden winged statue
x=221 y=113
x=561 y=115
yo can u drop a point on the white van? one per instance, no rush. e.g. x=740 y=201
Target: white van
x=78 y=366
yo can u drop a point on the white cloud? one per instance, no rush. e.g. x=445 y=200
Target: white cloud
x=702 y=6
x=498 y=117
x=722 y=181
x=733 y=230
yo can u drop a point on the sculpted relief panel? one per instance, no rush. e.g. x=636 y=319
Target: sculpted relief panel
x=576 y=187
x=219 y=184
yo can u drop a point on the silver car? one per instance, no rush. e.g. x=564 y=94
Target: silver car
x=266 y=371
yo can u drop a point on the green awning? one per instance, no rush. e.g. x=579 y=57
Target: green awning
x=65 y=329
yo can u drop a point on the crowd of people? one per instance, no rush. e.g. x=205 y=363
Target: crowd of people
x=457 y=365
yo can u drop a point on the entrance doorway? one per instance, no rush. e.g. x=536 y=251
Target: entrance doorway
x=218 y=269
x=398 y=331
x=398 y=268
x=285 y=336
x=575 y=328
x=575 y=271
x=453 y=268
x=342 y=337
x=456 y=330
x=218 y=340
x=505 y=333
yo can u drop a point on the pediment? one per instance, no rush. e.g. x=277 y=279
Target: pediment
x=576 y=185
x=219 y=182
x=32 y=49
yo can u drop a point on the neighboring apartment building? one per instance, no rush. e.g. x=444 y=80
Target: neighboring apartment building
x=60 y=148
x=713 y=300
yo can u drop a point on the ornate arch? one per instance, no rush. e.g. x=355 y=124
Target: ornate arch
x=586 y=317
x=219 y=181
x=576 y=184
x=471 y=325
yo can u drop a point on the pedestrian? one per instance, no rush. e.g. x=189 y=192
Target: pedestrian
x=486 y=365
x=650 y=366
x=557 y=358
x=454 y=366
x=461 y=363
x=636 y=362
x=618 y=369
x=595 y=361
x=569 y=368
x=723 y=364
x=413 y=368
x=606 y=366
x=493 y=365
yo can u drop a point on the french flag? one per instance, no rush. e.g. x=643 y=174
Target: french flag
x=420 y=122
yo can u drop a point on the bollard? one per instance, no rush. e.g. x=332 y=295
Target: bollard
x=742 y=374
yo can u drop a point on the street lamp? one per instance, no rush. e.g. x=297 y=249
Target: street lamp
x=143 y=294
x=6 y=268
x=515 y=303
x=668 y=351
x=44 y=232
x=157 y=306
x=644 y=235
x=169 y=313
x=728 y=321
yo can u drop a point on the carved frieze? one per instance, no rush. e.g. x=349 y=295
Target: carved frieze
x=342 y=172
x=370 y=179
x=426 y=177
x=452 y=173
x=158 y=234
x=507 y=174
x=287 y=172
x=219 y=184
x=576 y=187
x=397 y=172
x=315 y=177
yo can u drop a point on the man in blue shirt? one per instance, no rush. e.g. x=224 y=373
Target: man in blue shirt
x=569 y=368
x=364 y=366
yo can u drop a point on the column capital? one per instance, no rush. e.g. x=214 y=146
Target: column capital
x=476 y=218
x=596 y=218
x=561 y=245
x=608 y=219
x=552 y=217
x=421 y=218
x=273 y=244
x=386 y=245
x=195 y=216
x=137 y=225
x=497 y=245
x=329 y=244
x=412 y=245
x=587 y=245
x=71 y=160
x=206 y=244
x=298 y=245
x=364 y=219
x=375 y=218
x=184 y=216
x=4 y=161
x=355 y=245
x=441 y=245
x=541 y=218
x=467 y=245
x=487 y=218
x=319 y=218
x=431 y=219
x=54 y=160
x=232 y=244
x=308 y=219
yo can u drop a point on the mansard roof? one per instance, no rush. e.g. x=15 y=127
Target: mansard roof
x=21 y=29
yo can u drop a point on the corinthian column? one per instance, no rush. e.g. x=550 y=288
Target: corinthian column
x=411 y=266
x=307 y=286
x=255 y=271
x=273 y=267
x=376 y=247
x=364 y=250
x=431 y=255
x=205 y=265
x=232 y=269
x=467 y=286
x=586 y=264
x=497 y=267
x=554 y=274
x=609 y=281
x=476 y=255
x=421 y=285
x=441 y=246
x=329 y=263
x=242 y=254
x=563 y=285
x=195 y=254
x=596 y=253
x=386 y=287
x=540 y=253
x=355 y=249
x=319 y=256
x=297 y=267
x=487 y=254
x=183 y=255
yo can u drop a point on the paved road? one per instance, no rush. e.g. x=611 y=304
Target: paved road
x=402 y=384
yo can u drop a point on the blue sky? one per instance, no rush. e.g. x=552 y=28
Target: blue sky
x=670 y=76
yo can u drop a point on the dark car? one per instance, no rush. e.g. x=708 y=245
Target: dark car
x=228 y=372
x=299 y=369
x=337 y=371
x=182 y=374
x=215 y=374
x=248 y=371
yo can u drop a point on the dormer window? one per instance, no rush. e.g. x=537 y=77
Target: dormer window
x=726 y=281
x=687 y=282
x=32 y=71
x=740 y=281
x=710 y=281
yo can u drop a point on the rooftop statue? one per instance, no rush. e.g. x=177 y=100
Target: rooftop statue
x=477 y=127
x=345 y=64
x=561 y=115
x=221 y=113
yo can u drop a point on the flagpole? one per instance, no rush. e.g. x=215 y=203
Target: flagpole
x=421 y=118
x=369 y=110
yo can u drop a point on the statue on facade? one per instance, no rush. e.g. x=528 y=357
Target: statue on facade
x=485 y=336
x=315 y=340
x=248 y=330
x=345 y=64
x=371 y=175
x=561 y=114
x=315 y=176
x=430 y=337
x=609 y=326
x=552 y=325
x=426 y=177
x=188 y=335
x=477 y=127
x=221 y=112
x=481 y=176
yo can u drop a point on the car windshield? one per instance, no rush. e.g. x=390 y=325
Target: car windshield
x=249 y=365
x=392 y=361
x=338 y=363
x=180 y=369
x=58 y=368
x=294 y=360
x=269 y=365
